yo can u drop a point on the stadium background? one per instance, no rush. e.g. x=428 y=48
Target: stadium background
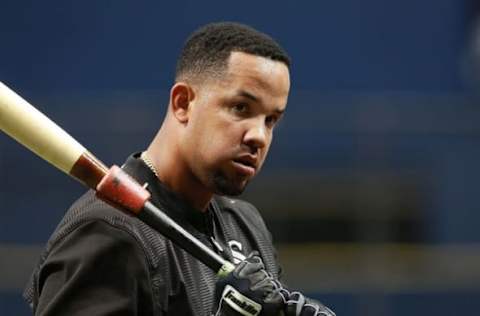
x=371 y=187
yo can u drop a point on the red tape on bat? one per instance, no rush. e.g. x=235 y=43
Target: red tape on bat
x=122 y=191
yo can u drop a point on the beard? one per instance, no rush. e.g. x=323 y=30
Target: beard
x=224 y=185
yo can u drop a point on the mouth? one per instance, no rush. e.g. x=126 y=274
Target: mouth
x=245 y=165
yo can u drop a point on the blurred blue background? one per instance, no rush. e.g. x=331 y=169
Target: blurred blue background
x=371 y=187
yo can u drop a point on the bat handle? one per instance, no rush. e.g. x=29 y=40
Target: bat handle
x=120 y=190
x=161 y=222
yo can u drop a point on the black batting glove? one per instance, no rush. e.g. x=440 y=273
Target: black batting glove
x=299 y=305
x=296 y=304
x=248 y=291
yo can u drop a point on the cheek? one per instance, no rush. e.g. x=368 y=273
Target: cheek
x=220 y=146
x=215 y=137
x=212 y=145
x=265 y=150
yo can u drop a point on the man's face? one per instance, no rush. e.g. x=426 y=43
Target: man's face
x=232 y=119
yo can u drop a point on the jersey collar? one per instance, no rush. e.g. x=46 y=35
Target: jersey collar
x=168 y=201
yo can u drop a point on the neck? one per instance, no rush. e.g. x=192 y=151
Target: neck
x=175 y=174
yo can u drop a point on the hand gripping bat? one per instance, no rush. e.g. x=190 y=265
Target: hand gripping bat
x=34 y=130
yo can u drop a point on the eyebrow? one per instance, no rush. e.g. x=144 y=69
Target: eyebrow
x=252 y=97
x=248 y=95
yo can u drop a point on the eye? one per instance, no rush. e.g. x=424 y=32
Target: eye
x=271 y=120
x=240 y=108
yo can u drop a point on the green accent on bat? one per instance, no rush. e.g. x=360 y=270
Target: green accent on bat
x=225 y=269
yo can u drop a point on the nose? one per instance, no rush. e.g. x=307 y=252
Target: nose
x=256 y=136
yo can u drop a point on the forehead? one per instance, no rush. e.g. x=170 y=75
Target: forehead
x=257 y=73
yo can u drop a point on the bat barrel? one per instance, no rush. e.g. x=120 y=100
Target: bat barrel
x=34 y=130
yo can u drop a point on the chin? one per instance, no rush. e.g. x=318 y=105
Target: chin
x=225 y=186
x=229 y=191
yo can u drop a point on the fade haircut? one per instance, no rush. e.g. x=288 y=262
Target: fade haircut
x=206 y=51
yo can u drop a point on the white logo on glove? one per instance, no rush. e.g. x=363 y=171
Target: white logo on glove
x=239 y=302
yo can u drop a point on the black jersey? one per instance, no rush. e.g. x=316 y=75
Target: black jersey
x=100 y=261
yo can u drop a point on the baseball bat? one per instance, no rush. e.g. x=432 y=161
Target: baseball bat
x=37 y=132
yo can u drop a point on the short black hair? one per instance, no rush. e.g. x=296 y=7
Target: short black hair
x=207 y=49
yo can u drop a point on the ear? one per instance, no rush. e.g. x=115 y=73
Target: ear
x=181 y=97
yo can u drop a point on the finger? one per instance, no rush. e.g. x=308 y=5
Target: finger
x=295 y=304
x=249 y=268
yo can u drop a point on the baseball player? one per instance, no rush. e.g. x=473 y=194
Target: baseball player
x=231 y=88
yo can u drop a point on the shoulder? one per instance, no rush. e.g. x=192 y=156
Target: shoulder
x=89 y=243
x=96 y=257
x=89 y=211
